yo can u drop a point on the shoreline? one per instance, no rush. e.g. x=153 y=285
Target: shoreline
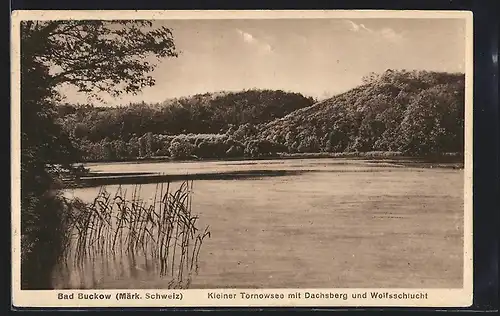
x=441 y=158
x=95 y=179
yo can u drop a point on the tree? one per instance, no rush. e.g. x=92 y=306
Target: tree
x=111 y=57
x=262 y=147
x=181 y=148
x=97 y=56
x=427 y=128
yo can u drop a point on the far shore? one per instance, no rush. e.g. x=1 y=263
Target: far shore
x=436 y=158
x=93 y=179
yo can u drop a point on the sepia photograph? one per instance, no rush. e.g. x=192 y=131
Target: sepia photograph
x=252 y=158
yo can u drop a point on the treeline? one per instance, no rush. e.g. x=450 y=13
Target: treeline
x=183 y=146
x=416 y=113
x=199 y=114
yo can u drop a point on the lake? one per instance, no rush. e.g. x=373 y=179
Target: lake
x=304 y=223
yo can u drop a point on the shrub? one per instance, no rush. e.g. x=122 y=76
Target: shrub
x=181 y=149
x=263 y=147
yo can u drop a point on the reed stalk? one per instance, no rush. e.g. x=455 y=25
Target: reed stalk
x=164 y=232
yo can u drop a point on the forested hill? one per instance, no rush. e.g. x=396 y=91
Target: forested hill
x=416 y=112
x=413 y=113
x=207 y=113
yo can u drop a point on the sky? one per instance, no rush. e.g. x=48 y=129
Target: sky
x=315 y=57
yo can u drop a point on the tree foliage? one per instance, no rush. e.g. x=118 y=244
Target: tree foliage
x=199 y=114
x=114 y=57
x=417 y=113
x=414 y=112
x=97 y=57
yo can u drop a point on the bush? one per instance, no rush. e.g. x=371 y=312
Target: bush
x=181 y=149
x=263 y=147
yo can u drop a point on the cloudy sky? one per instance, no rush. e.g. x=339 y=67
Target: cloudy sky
x=316 y=57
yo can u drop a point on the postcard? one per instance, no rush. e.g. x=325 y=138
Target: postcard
x=241 y=158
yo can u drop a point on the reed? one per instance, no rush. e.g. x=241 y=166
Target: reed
x=162 y=231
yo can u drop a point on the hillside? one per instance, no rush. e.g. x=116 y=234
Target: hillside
x=198 y=114
x=414 y=112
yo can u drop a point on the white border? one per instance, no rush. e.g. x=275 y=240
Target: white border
x=199 y=298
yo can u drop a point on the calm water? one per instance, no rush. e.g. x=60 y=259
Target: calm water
x=340 y=223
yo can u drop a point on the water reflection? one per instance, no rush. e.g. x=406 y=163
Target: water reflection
x=118 y=238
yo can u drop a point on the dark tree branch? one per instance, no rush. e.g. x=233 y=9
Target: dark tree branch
x=98 y=56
